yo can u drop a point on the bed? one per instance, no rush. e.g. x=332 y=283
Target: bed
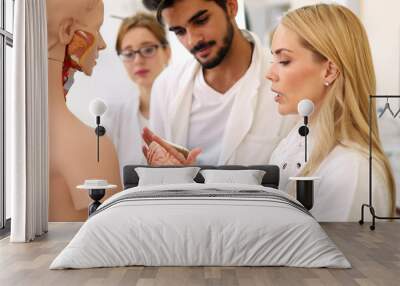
x=201 y=224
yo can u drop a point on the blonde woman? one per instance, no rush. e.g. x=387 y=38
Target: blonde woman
x=322 y=53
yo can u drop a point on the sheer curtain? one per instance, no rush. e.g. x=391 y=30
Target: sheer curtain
x=26 y=124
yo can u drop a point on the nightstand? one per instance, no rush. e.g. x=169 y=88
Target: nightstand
x=97 y=190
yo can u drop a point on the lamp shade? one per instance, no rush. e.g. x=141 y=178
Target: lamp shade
x=305 y=107
x=97 y=107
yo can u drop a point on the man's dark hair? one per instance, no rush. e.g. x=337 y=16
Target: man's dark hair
x=151 y=4
x=159 y=5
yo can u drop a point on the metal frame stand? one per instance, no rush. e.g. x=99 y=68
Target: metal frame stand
x=370 y=205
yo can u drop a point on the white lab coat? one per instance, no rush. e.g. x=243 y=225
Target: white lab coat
x=122 y=124
x=343 y=186
x=254 y=126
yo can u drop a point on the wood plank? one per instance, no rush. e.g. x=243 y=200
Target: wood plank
x=374 y=255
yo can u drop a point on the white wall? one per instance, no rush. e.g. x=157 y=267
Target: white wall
x=354 y=5
x=382 y=22
x=265 y=14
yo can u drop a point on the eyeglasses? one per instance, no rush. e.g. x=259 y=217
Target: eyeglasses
x=145 y=52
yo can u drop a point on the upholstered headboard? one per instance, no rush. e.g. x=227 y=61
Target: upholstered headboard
x=270 y=179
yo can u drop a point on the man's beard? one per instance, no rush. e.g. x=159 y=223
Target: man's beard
x=221 y=54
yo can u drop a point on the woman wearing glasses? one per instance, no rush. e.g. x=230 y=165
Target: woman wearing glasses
x=144 y=51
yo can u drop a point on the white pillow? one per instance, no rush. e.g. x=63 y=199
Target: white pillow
x=248 y=177
x=162 y=176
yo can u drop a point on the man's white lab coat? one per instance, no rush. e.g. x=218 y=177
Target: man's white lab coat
x=254 y=126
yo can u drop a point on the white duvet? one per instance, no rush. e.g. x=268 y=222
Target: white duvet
x=203 y=231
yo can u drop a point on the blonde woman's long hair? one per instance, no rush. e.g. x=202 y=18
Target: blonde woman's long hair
x=333 y=32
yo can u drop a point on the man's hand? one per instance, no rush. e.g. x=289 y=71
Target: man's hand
x=159 y=152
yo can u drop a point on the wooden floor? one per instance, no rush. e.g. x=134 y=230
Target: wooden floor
x=374 y=255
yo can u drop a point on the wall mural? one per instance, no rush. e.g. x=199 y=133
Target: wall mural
x=107 y=57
